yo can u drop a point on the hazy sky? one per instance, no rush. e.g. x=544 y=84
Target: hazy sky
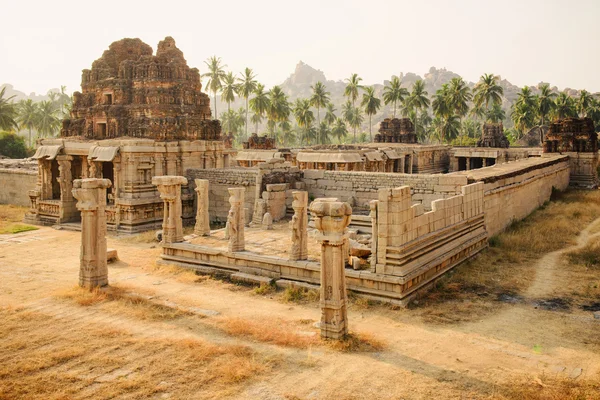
x=45 y=44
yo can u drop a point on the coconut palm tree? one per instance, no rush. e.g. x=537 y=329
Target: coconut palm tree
x=496 y=113
x=583 y=102
x=215 y=76
x=304 y=116
x=319 y=98
x=593 y=111
x=229 y=89
x=323 y=133
x=278 y=109
x=487 y=90
x=48 y=122
x=339 y=129
x=246 y=86
x=259 y=104
x=357 y=119
x=417 y=100
x=394 y=93
x=523 y=116
x=351 y=91
x=330 y=116
x=442 y=108
x=256 y=119
x=545 y=102
x=8 y=112
x=564 y=106
x=371 y=105
x=28 y=115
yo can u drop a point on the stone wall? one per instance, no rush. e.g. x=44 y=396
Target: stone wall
x=14 y=185
x=219 y=181
x=363 y=186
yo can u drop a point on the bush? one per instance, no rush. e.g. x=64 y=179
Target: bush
x=13 y=146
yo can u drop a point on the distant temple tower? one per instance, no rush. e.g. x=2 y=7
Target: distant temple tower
x=493 y=136
x=396 y=130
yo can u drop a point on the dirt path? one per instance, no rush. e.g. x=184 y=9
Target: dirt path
x=478 y=360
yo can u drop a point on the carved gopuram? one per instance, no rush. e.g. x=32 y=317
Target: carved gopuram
x=139 y=115
x=578 y=139
x=169 y=188
x=396 y=130
x=202 y=227
x=331 y=219
x=91 y=196
x=493 y=136
x=236 y=220
x=299 y=226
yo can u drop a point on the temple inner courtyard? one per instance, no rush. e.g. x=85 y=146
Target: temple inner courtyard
x=159 y=331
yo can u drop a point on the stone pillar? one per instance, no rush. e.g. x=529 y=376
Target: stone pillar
x=331 y=219
x=374 y=234
x=202 y=227
x=235 y=219
x=468 y=163
x=67 y=210
x=403 y=164
x=169 y=188
x=484 y=162
x=91 y=194
x=299 y=224
x=410 y=165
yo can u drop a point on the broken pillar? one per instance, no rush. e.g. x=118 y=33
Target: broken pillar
x=169 y=187
x=235 y=220
x=299 y=224
x=267 y=222
x=91 y=196
x=331 y=219
x=202 y=227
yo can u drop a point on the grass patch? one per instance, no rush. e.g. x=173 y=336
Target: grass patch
x=278 y=332
x=588 y=256
x=300 y=295
x=119 y=300
x=265 y=289
x=17 y=228
x=52 y=360
x=11 y=218
x=356 y=342
x=547 y=388
x=506 y=268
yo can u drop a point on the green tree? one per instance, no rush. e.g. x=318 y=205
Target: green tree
x=496 y=113
x=8 y=112
x=593 y=111
x=319 y=98
x=583 y=103
x=48 y=123
x=523 y=116
x=417 y=100
x=351 y=91
x=259 y=104
x=228 y=89
x=279 y=108
x=12 y=145
x=215 y=76
x=565 y=106
x=339 y=129
x=247 y=85
x=330 y=116
x=545 y=102
x=323 y=133
x=487 y=90
x=304 y=117
x=233 y=121
x=394 y=93
x=357 y=120
x=28 y=115
x=371 y=105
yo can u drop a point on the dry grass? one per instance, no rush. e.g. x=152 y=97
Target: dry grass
x=506 y=268
x=11 y=218
x=356 y=342
x=265 y=289
x=121 y=301
x=588 y=256
x=550 y=388
x=299 y=295
x=278 y=332
x=37 y=360
x=180 y=274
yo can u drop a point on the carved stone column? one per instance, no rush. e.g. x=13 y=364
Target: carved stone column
x=91 y=194
x=169 y=188
x=299 y=224
x=331 y=219
x=235 y=219
x=67 y=210
x=375 y=232
x=202 y=227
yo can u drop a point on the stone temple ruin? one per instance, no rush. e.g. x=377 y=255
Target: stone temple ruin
x=382 y=219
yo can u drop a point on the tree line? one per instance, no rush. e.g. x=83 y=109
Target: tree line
x=453 y=114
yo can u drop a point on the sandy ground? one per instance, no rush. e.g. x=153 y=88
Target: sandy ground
x=482 y=359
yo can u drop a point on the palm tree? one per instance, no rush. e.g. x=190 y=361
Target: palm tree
x=215 y=76
x=593 y=111
x=523 y=116
x=259 y=104
x=545 y=104
x=247 y=85
x=417 y=100
x=351 y=91
x=319 y=98
x=288 y=136
x=339 y=129
x=256 y=119
x=394 y=93
x=48 y=122
x=495 y=114
x=371 y=104
x=304 y=115
x=229 y=89
x=486 y=90
x=323 y=133
x=357 y=119
x=564 y=106
x=278 y=109
x=28 y=115
x=8 y=112
x=330 y=116
x=442 y=108
x=583 y=102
